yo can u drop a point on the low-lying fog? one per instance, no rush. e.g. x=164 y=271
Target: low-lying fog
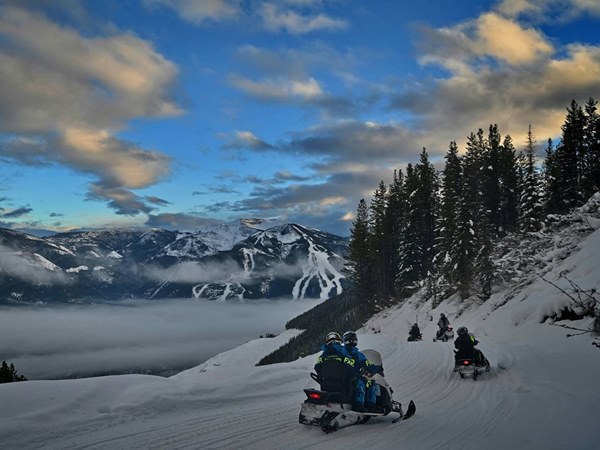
x=139 y=336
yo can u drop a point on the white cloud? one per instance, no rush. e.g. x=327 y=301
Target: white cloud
x=499 y=72
x=279 y=89
x=508 y=41
x=564 y=9
x=13 y=263
x=91 y=339
x=277 y=18
x=201 y=11
x=197 y=272
x=65 y=96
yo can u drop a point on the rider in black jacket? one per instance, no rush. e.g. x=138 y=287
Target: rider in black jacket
x=465 y=343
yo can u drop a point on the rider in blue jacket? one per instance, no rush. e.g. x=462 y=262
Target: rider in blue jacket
x=333 y=350
x=365 y=393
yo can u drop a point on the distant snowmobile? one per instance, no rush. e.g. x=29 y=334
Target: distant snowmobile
x=448 y=335
x=332 y=409
x=415 y=334
x=469 y=367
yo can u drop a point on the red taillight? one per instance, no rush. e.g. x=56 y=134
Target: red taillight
x=314 y=395
x=466 y=363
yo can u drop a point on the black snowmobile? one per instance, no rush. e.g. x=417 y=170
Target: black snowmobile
x=447 y=335
x=414 y=334
x=331 y=407
x=468 y=366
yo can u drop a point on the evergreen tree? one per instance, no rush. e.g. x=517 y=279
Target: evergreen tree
x=530 y=204
x=8 y=374
x=358 y=265
x=552 y=196
x=571 y=156
x=396 y=218
x=379 y=240
x=410 y=251
x=492 y=178
x=509 y=187
x=469 y=214
x=591 y=176
x=447 y=227
x=426 y=203
x=484 y=264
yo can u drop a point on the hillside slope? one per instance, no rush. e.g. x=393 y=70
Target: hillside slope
x=542 y=391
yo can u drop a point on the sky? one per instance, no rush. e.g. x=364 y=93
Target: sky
x=179 y=113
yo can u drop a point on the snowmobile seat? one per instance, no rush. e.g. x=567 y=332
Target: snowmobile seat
x=336 y=377
x=462 y=354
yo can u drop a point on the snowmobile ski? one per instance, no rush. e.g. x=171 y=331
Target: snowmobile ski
x=412 y=409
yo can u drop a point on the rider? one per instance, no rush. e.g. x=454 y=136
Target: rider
x=365 y=394
x=465 y=343
x=443 y=323
x=333 y=350
x=415 y=332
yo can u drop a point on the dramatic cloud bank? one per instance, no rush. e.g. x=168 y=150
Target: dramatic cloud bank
x=65 y=96
x=72 y=341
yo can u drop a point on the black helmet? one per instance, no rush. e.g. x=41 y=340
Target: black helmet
x=350 y=338
x=462 y=330
x=442 y=315
x=332 y=337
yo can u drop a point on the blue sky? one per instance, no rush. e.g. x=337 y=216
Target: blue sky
x=176 y=113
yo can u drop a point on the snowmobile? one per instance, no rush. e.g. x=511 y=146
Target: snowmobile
x=412 y=338
x=331 y=407
x=448 y=334
x=469 y=367
x=415 y=334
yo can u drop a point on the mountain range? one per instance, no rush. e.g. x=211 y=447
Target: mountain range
x=241 y=260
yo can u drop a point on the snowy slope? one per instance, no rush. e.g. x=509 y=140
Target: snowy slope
x=542 y=391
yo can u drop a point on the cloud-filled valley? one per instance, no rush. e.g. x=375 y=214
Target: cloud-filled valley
x=158 y=336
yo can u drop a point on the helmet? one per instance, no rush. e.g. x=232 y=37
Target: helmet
x=350 y=338
x=332 y=336
x=442 y=315
x=462 y=330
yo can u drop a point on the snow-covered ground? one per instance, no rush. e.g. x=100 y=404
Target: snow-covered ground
x=542 y=392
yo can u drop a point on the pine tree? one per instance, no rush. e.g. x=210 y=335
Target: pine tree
x=530 y=209
x=8 y=374
x=427 y=203
x=552 y=195
x=396 y=218
x=469 y=213
x=447 y=226
x=509 y=187
x=410 y=251
x=492 y=178
x=379 y=240
x=484 y=265
x=358 y=264
x=591 y=176
x=571 y=156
